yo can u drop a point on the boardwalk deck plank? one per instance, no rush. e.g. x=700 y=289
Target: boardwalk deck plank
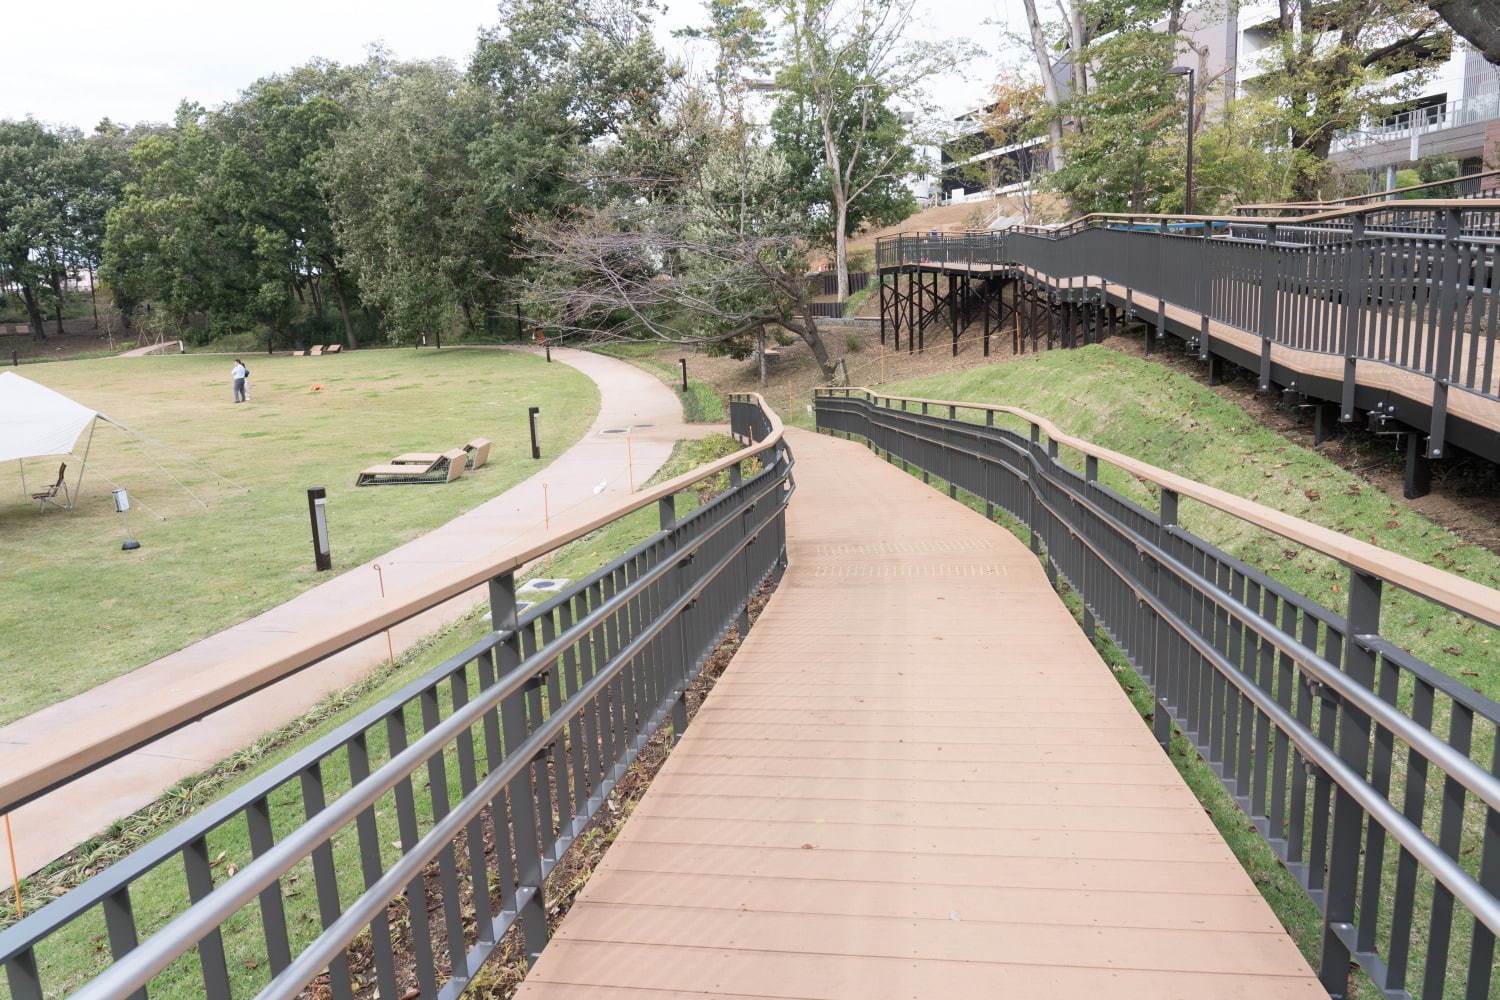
x=916 y=779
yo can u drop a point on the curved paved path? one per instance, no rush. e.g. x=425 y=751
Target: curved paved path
x=630 y=400
x=916 y=779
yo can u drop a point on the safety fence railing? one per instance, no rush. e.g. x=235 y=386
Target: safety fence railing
x=1408 y=124
x=392 y=856
x=1371 y=774
x=1428 y=304
x=1480 y=184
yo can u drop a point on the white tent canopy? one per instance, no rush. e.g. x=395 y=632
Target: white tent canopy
x=37 y=421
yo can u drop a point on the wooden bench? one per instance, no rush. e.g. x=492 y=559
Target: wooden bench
x=477 y=450
x=444 y=469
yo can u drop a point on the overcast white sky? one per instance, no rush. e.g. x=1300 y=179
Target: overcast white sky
x=134 y=60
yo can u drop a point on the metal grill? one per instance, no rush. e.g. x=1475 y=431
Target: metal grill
x=455 y=797
x=1371 y=774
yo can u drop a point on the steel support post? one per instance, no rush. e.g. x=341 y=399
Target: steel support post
x=1450 y=324
x=1161 y=715
x=1349 y=328
x=1354 y=749
x=675 y=635
x=1270 y=264
x=1325 y=415
x=1418 y=477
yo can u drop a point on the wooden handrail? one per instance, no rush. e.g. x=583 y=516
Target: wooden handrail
x=1466 y=596
x=82 y=746
x=1473 y=204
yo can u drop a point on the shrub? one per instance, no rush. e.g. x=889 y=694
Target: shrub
x=853 y=343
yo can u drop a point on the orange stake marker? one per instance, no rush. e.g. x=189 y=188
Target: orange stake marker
x=629 y=463
x=389 y=647
x=15 y=875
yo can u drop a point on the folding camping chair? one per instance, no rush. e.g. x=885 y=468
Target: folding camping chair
x=49 y=495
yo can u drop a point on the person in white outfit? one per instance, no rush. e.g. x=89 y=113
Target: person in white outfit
x=238 y=375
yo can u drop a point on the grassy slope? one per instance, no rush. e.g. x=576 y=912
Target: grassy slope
x=198 y=571
x=68 y=958
x=1137 y=408
x=1168 y=420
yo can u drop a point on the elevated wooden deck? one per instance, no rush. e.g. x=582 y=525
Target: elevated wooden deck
x=916 y=779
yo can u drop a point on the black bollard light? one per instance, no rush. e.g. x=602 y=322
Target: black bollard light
x=683 y=363
x=548 y=349
x=317 y=512
x=531 y=412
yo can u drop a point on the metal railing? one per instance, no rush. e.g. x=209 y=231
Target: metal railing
x=1420 y=121
x=1425 y=301
x=1371 y=774
x=1468 y=186
x=396 y=852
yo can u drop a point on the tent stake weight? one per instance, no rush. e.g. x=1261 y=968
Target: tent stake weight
x=122 y=504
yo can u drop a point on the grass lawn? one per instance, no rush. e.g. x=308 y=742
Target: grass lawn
x=75 y=610
x=1169 y=420
x=1159 y=416
x=73 y=955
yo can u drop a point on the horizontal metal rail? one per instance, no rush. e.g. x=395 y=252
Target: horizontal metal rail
x=1404 y=285
x=540 y=719
x=1372 y=775
x=1469 y=186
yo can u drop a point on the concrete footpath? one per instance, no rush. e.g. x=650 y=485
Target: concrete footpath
x=633 y=405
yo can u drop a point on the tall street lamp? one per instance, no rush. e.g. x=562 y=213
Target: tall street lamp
x=1187 y=71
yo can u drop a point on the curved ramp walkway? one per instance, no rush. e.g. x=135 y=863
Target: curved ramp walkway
x=916 y=779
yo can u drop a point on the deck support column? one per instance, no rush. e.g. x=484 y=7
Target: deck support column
x=1325 y=415
x=1418 y=480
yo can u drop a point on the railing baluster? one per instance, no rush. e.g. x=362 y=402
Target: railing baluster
x=119 y=924
x=272 y=908
x=198 y=870
x=371 y=868
x=325 y=879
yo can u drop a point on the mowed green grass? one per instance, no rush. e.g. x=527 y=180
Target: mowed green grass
x=1134 y=407
x=72 y=956
x=75 y=610
x=1151 y=413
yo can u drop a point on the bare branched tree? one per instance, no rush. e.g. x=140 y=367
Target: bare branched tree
x=708 y=255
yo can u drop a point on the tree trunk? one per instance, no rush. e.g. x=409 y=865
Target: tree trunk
x=1077 y=41
x=761 y=354
x=94 y=295
x=1049 y=84
x=33 y=311
x=841 y=248
x=338 y=290
x=814 y=340
x=55 y=281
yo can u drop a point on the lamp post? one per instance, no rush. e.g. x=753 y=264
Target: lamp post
x=1187 y=71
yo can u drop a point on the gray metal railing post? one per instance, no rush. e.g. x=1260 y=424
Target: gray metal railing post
x=1165 y=676
x=1349 y=329
x=1354 y=749
x=676 y=633
x=1448 y=332
x=989 y=508
x=532 y=910
x=1269 y=282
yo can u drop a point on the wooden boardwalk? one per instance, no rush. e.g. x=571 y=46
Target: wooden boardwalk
x=916 y=779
